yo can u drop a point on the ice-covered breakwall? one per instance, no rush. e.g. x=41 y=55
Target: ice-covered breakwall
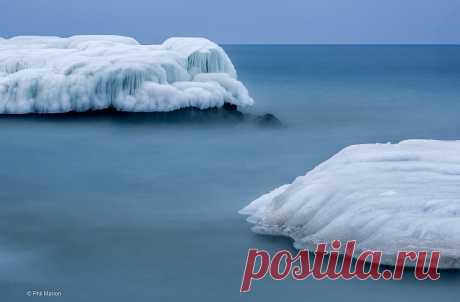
x=52 y=74
x=388 y=197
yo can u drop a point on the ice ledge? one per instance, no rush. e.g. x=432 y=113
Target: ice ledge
x=80 y=73
x=388 y=197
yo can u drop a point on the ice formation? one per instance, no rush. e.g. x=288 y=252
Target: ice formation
x=52 y=74
x=388 y=197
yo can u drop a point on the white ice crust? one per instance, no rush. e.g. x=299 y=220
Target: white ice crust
x=79 y=73
x=388 y=197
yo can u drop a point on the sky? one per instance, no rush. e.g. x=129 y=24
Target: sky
x=241 y=21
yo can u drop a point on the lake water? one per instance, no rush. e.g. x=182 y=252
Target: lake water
x=108 y=209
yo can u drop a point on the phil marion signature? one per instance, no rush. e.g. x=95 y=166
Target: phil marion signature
x=44 y=293
x=283 y=263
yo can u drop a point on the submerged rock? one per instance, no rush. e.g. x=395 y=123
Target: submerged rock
x=268 y=120
x=225 y=115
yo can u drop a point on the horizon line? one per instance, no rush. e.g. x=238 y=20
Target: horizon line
x=343 y=44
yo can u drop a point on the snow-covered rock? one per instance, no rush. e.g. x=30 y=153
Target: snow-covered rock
x=79 y=73
x=388 y=197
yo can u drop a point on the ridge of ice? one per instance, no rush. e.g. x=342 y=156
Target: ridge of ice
x=52 y=75
x=388 y=197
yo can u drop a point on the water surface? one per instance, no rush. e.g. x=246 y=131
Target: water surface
x=112 y=210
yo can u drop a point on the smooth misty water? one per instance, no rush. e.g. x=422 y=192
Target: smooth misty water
x=113 y=210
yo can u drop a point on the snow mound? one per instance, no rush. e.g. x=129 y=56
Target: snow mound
x=388 y=197
x=79 y=73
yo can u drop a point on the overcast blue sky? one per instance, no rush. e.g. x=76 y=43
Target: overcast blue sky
x=240 y=21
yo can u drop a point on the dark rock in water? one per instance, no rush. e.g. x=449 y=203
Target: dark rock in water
x=230 y=107
x=227 y=114
x=268 y=120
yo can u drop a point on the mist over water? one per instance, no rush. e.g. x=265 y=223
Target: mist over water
x=111 y=209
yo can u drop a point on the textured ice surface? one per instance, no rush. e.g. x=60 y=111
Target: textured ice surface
x=388 y=197
x=52 y=74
